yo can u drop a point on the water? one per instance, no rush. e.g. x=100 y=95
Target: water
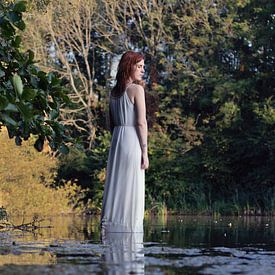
x=169 y=245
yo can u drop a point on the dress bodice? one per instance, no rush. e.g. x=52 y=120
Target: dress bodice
x=122 y=110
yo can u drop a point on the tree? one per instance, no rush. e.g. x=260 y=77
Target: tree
x=69 y=39
x=236 y=159
x=29 y=98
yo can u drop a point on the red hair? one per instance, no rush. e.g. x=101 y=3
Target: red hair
x=125 y=70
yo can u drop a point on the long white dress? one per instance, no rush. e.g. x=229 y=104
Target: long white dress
x=123 y=198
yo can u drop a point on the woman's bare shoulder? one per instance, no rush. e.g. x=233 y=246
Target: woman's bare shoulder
x=134 y=91
x=135 y=88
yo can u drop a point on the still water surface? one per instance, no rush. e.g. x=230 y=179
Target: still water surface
x=169 y=245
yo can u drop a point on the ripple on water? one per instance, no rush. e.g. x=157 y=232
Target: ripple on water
x=188 y=248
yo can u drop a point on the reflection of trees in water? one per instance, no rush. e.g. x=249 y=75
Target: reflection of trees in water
x=123 y=253
x=185 y=231
x=90 y=228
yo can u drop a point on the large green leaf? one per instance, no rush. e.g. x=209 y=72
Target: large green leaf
x=28 y=94
x=20 y=25
x=43 y=82
x=11 y=107
x=25 y=111
x=17 y=84
x=8 y=119
x=7 y=30
x=3 y=102
x=64 y=149
x=20 y=6
x=2 y=73
x=11 y=131
x=38 y=145
x=31 y=56
x=14 y=17
x=54 y=114
x=17 y=41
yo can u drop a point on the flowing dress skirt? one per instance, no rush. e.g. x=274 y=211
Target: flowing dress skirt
x=123 y=199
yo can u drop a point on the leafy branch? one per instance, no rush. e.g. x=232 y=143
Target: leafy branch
x=30 y=99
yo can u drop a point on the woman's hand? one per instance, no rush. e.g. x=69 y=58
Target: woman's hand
x=144 y=161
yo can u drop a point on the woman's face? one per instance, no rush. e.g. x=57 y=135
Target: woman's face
x=138 y=71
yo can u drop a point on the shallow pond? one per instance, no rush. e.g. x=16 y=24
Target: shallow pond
x=169 y=245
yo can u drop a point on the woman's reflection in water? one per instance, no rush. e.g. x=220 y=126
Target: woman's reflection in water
x=123 y=253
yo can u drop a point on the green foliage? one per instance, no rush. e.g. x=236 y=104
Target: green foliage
x=25 y=180
x=225 y=83
x=212 y=145
x=87 y=170
x=29 y=98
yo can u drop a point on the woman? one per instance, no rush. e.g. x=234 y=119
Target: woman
x=123 y=198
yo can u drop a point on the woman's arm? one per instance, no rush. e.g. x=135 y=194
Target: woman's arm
x=141 y=124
